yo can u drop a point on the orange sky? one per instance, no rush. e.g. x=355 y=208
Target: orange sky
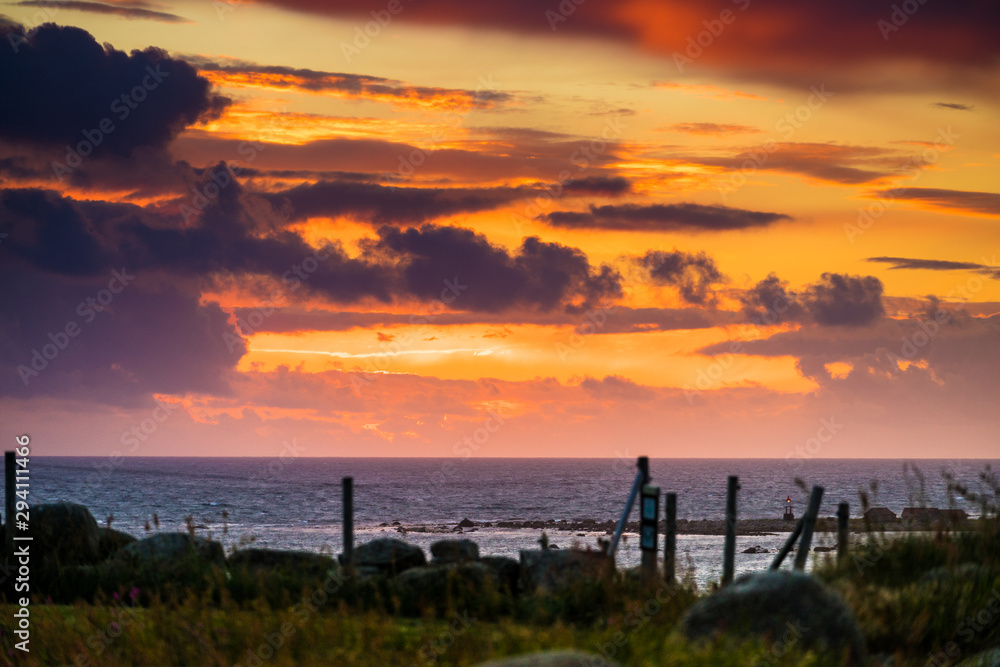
x=660 y=227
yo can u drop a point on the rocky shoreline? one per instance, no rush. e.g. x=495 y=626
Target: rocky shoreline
x=754 y=527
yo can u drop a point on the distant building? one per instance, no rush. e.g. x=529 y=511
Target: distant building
x=953 y=516
x=921 y=514
x=880 y=515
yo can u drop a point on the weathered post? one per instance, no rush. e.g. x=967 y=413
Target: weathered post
x=10 y=486
x=808 y=523
x=348 y=558
x=670 y=542
x=843 y=522
x=729 y=555
x=648 y=529
x=643 y=465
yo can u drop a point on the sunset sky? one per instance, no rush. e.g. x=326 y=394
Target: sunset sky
x=594 y=228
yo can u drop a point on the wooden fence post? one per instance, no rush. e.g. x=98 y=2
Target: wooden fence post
x=670 y=541
x=808 y=523
x=843 y=524
x=729 y=555
x=348 y=558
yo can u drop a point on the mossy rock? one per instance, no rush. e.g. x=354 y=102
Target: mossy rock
x=64 y=534
x=112 y=540
x=792 y=608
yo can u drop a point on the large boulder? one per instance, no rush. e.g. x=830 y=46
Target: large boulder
x=427 y=582
x=273 y=559
x=64 y=534
x=454 y=551
x=506 y=570
x=792 y=608
x=553 y=659
x=171 y=548
x=389 y=555
x=112 y=540
x=549 y=570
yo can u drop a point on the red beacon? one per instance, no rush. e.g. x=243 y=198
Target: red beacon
x=788 y=516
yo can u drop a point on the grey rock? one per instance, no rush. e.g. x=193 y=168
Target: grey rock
x=389 y=555
x=755 y=550
x=278 y=559
x=454 y=551
x=507 y=571
x=549 y=570
x=64 y=534
x=428 y=582
x=112 y=540
x=791 y=608
x=553 y=659
x=171 y=548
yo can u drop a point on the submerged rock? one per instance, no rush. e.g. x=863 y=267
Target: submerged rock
x=454 y=551
x=756 y=550
x=466 y=523
x=791 y=608
x=389 y=555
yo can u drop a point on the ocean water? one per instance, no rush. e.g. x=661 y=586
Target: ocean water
x=295 y=503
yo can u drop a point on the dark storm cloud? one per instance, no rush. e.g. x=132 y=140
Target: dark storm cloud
x=849 y=45
x=933 y=264
x=987 y=203
x=58 y=83
x=115 y=337
x=382 y=204
x=836 y=299
x=101 y=8
x=540 y=275
x=953 y=105
x=694 y=275
x=598 y=185
x=663 y=217
x=230 y=232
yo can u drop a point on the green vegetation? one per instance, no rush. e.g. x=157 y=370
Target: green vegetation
x=915 y=597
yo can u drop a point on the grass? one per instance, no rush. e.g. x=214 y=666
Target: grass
x=914 y=596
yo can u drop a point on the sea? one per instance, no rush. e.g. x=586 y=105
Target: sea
x=296 y=502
